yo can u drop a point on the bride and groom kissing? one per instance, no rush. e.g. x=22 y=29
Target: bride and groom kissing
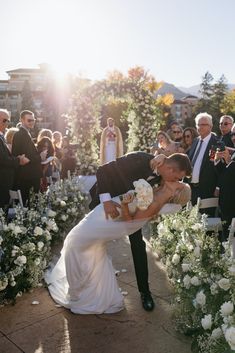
x=83 y=280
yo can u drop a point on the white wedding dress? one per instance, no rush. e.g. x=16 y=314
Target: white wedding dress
x=83 y=279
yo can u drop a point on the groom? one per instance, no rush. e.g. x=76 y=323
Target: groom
x=116 y=178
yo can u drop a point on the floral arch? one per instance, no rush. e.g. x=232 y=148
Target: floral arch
x=144 y=113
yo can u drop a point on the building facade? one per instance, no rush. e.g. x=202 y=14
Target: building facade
x=183 y=109
x=41 y=83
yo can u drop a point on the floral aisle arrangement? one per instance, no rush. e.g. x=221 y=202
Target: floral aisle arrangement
x=203 y=278
x=144 y=113
x=25 y=241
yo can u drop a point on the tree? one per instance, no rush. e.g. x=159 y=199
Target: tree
x=228 y=104
x=27 y=97
x=212 y=98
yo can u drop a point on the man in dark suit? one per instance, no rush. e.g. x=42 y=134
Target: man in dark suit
x=225 y=125
x=28 y=176
x=8 y=163
x=204 y=175
x=116 y=178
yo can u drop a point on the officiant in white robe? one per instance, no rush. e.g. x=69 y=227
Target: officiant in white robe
x=111 y=143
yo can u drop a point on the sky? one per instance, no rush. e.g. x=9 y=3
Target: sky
x=177 y=41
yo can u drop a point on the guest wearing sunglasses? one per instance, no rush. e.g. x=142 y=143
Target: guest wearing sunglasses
x=189 y=134
x=233 y=135
x=28 y=176
x=225 y=125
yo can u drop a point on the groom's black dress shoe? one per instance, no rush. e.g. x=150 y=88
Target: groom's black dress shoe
x=147 y=301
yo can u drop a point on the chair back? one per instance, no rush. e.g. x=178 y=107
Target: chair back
x=208 y=203
x=16 y=196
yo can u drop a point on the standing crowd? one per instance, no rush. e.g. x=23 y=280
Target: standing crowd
x=26 y=164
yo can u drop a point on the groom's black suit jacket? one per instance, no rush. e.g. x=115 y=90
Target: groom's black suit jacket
x=117 y=177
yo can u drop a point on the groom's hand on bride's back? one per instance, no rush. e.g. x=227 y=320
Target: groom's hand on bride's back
x=111 y=209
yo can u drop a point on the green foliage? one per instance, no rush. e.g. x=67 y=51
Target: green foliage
x=212 y=98
x=137 y=104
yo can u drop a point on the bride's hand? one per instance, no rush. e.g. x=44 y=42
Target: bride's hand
x=128 y=197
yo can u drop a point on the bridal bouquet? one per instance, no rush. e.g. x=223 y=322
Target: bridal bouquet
x=143 y=194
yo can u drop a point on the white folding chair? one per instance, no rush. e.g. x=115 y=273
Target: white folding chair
x=212 y=223
x=15 y=197
x=231 y=238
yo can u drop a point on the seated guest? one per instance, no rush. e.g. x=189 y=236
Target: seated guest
x=45 y=144
x=165 y=145
x=9 y=136
x=8 y=163
x=226 y=183
x=189 y=134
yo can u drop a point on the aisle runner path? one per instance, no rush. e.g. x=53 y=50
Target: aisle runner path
x=45 y=328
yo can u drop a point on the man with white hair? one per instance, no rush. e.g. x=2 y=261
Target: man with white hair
x=204 y=175
x=225 y=125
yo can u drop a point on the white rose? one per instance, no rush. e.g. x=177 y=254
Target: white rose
x=1 y=240
x=51 y=213
x=197 y=251
x=38 y=231
x=216 y=333
x=63 y=217
x=62 y=203
x=20 y=260
x=190 y=247
x=232 y=270
x=195 y=281
x=197 y=226
x=17 y=230
x=162 y=229
x=175 y=259
x=40 y=245
x=11 y=226
x=185 y=267
x=224 y=284
x=201 y=298
x=226 y=308
x=12 y=283
x=187 y=281
x=230 y=337
x=37 y=261
x=206 y=322
x=3 y=283
x=214 y=289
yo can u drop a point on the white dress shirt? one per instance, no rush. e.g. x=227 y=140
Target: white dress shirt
x=198 y=162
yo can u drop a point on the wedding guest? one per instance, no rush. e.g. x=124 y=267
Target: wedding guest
x=189 y=134
x=111 y=144
x=8 y=162
x=233 y=135
x=173 y=125
x=9 y=136
x=226 y=186
x=165 y=145
x=28 y=176
x=204 y=175
x=68 y=160
x=225 y=125
x=57 y=143
x=177 y=134
x=46 y=145
x=44 y=133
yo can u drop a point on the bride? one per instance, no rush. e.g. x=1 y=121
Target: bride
x=83 y=280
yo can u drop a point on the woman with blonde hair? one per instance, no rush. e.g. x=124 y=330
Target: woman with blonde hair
x=9 y=136
x=165 y=145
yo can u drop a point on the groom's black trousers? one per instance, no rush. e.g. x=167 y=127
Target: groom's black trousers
x=138 y=248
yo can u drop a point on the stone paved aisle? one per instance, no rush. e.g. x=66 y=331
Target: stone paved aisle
x=45 y=328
